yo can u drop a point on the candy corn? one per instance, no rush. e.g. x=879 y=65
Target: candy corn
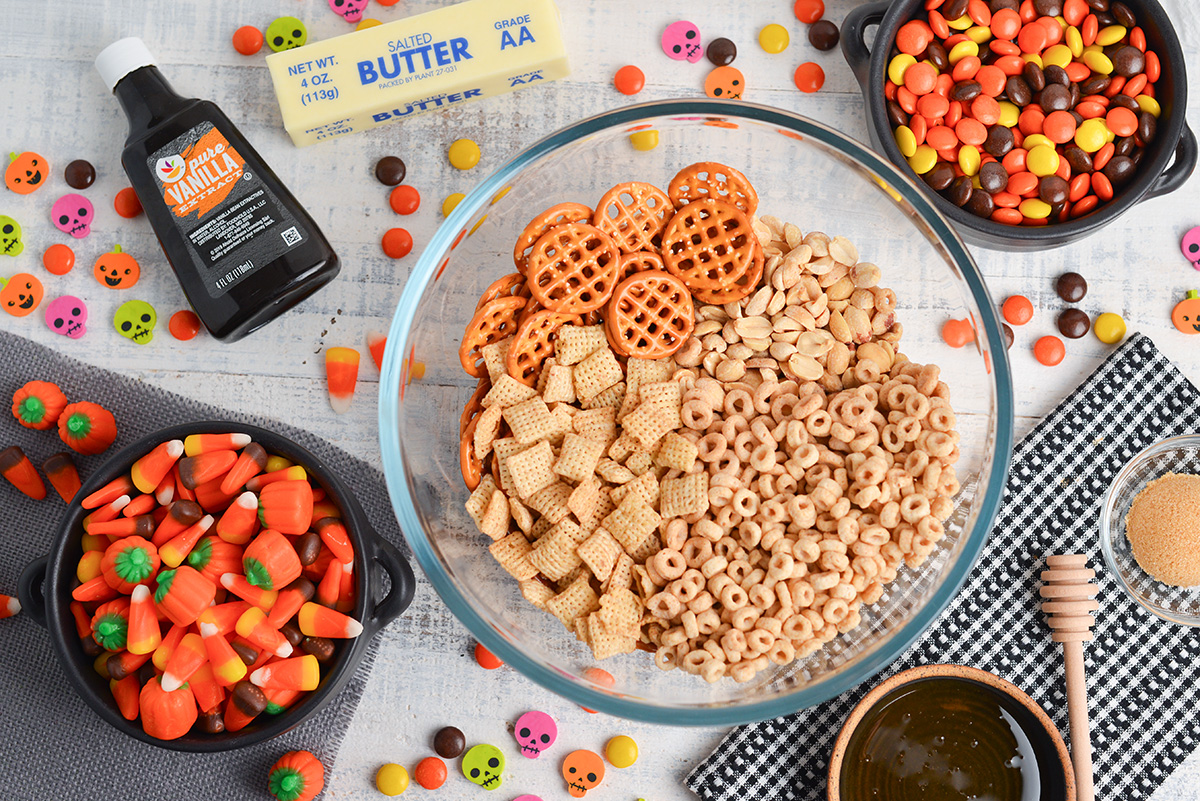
x=183 y=594
x=142 y=526
x=341 y=372
x=178 y=547
x=64 y=476
x=250 y=462
x=225 y=616
x=264 y=599
x=83 y=621
x=279 y=700
x=227 y=667
x=297 y=673
x=141 y=505
x=336 y=539
x=121 y=485
x=180 y=515
x=270 y=561
x=331 y=583
x=125 y=693
x=10 y=606
x=345 y=601
x=254 y=626
x=286 y=506
x=89 y=566
x=293 y=472
x=376 y=342
x=320 y=621
x=210 y=497
x=204 y=467
x=181 y=491
x=96 y=590
x=162 y=654
x=187 y=658
x=164 y=493
x=20 y=472
x=290 y=599
x=144 y=632
x=240 y=520
x=150 y=470
x=244 y=699
x=208 y=692
x=196 y=444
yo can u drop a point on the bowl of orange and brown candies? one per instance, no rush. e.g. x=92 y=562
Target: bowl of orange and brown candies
x=695 y=433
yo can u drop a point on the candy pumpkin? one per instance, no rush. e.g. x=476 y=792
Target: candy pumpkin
x=87 y=428
x=1186 y=315
x=297 y=776
x=116 y=269
x=167 y=715
x=26 y=173
x=38 y=405
x=21 y=294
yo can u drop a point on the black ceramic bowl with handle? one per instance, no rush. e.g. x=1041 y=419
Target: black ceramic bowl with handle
x=45 y=593
x=1156 y=175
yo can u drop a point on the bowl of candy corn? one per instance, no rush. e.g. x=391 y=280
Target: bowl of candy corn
x=675 y=433
x=212 y=586
x=1031 y=125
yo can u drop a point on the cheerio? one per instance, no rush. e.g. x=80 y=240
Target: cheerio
x=430 y=61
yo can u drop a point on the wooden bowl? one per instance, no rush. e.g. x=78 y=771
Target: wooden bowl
x=1065 y=782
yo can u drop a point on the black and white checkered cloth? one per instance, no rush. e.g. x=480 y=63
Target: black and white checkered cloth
x=1142 y=670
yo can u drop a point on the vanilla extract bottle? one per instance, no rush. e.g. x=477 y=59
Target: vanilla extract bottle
x=242 y=247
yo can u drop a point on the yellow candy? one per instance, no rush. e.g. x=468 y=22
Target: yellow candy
x=1074 y=41
x=367 y=23
x=1042 y=161
x=975 y=182
x=960 y=24
x=898 y=66
x=391 y=779
x=1032 y=58
x=1059 y=55
x=1091 y=135
x=1148 y=103
x=906 y=140
x=464 y=154
x=969 y=159
x=621 y=751
x=499 y=195
x=1093 y=48
x=1098 y=62
x=923 y=160
x=979 y=34
x=962 y=50
x=644 y=140
x=474 y=228
x=1034 y=208
x=1110 y=35
x=1033 y=140
x=773 y=38
x=1009 y=114
x=1109 y=328
x=450 y=202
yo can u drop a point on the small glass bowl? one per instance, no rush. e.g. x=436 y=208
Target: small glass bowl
x=1173 y=455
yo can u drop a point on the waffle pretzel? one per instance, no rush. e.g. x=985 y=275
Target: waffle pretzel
x=709 y=180
x=511 y=285
x=534 y=343
x=638 y=261
x=495 y=320
x=573 y=268
x=469 y=464
x=650 y=315
x=633 y=214
x=539 y=225
x=474 y=406
x=710 y=245
x=739 y=288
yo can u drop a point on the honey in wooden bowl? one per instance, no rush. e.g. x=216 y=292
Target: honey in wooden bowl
x=946 y=737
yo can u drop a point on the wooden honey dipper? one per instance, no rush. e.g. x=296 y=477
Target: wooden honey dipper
x=1070 y=600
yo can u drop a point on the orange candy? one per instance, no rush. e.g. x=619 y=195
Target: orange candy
x=1049 y=350
x=958 y=333
x=920 y=78
x=1032 y=38
x=58 y=259
x=809 y=11
x=1006 y=23
x=1018 y=310
x=486 y=659
x=987 y=110
x=971 y=132
x=1059 y=127
x=397 y=243
x=809 y=77
x=629 y=80
x=430 y=773
x=1121 y=121
x=933 y=106
x=941 y=138
x=913 y=37
x=991 y=80
x=126 y=203
x=247 y=40
x=404 y=199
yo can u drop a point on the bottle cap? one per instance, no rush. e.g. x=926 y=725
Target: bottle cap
x=121 y=58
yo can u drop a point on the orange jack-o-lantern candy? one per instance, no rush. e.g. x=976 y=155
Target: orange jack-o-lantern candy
x=1186 y=315
x=116 y=269
x=27 y=172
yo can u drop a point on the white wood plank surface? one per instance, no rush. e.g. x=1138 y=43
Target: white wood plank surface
x=426 y=678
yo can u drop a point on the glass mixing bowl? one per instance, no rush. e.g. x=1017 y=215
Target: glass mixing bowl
x=804 y=173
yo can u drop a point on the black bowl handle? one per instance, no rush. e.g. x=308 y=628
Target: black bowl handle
x=29 y=590
x=854 y=45
x=383 y=557
x=1180 y=170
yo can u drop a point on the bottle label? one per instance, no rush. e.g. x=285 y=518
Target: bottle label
x=234 y=223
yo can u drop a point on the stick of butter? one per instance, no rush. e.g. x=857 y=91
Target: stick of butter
x=434 y=60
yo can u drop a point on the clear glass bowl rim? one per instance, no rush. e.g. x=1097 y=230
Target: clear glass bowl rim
x=555 y=680
x=1107 y=525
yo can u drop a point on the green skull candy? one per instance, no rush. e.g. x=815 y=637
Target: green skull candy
x=135 y=319
x=10 y=236
x=484 y=765
x=286 y=33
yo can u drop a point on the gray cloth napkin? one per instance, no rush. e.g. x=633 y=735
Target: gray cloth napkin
x=53 y=745
x=1143 y=689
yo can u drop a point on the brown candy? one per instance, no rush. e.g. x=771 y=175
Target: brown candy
x=1054 y=97
x=212 y=722
x=1074 y=323
x=960 y=190
x=449 y=742
x=1008 y=335
x=79 y=174
x=993 y=177
x=1047 y=8
x=1119 y=170
x=291 y=634
x=390 y=171
x=1053 y=190
x=721 y=52
x=1071 y=287
x=306 y=587
x=1128 y=61
x=1018 y=91
x=965 y=90
x=308 y=547
x=319 y=647
x=940 y=176
x=999 y=141
x=981 y=205
x=249 y=699
x=245 y=652
x=824 y=34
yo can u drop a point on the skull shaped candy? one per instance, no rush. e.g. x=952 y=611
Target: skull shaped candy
x=20 y=294
x=10 y=236
x=725 y=83
x=1190 y=246
x=484 y=765
x=286 y=33
x=73 y=214
x=535 y=732
x=583 y=770
x=67 y=316
x=349 y=10
x=135 y=320
x=681 y=41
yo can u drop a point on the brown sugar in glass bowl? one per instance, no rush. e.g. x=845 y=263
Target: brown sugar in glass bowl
x=1163 y=526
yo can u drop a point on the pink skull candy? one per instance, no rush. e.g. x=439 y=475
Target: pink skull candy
x=350 y=10
x=73 y=214
x=535 y=732
x=67 y=316
x=1191 y=246
x=681 y=41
